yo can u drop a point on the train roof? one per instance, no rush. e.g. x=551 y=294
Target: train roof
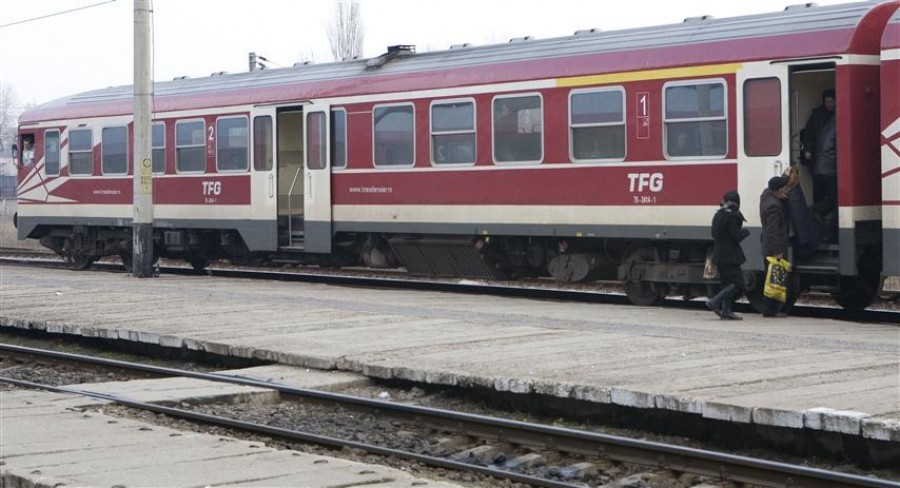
x=801 y=31
x=891 y=37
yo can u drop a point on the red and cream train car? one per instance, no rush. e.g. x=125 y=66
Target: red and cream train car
x=598 y=155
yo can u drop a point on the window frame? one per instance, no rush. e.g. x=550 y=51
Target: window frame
x=374 y=142
x=58 y=152
x=268 y=143
x=530 y=162
x=623 y=124
x=90 y=151
x=246 y=167
x=666 y=120
x=156 y=148
x=103 y=151
x=778 y=131
x=432 y=133
x=323 y=142
x=178 y=170
x=333 y=138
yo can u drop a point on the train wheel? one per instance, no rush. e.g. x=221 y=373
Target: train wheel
x=856 y=293
x=82 y=261
x=199 y=263
x=127 y=263
x=642 y=293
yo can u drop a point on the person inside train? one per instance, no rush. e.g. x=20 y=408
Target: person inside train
x=728 y=232
x=684 y=145
x=824 y=172
x=28 y=151
x=773 y=215
x=809 y=136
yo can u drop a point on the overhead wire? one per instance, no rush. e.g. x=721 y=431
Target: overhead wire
x=55 y=14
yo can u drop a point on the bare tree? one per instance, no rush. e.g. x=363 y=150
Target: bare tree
x=345 y=34
x=9 y=113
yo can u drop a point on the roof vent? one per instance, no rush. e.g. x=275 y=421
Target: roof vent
x=587 y=31
x=217 y=73
x=520 y=39
x=698 y=19
x=798 y=6
x=461 y=46
x=397 y=51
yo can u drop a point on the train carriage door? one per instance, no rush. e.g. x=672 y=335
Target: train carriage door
x=262 y=187
x=764 y=138
x=317 y=180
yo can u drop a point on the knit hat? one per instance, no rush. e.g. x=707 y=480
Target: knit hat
x=777 y=182
x=732 y=196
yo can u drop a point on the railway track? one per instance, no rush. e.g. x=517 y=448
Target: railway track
x=811 y=305
x=533 y=454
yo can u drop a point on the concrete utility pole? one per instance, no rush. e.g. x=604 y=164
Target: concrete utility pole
x=142 y=223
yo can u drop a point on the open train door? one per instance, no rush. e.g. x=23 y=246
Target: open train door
x=263 y=188
x=764 y=140
x=317 y=176
x=764 y=151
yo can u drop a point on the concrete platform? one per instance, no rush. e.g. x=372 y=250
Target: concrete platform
x=57 y=440
x=798 y=373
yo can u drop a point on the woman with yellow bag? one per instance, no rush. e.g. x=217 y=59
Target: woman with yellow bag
x=775 y=241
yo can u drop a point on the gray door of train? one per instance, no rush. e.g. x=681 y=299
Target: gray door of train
x=764 y=139
x=317 y=179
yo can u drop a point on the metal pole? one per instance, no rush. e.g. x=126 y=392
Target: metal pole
x=142 y=223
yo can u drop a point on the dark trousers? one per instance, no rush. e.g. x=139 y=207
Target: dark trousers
x=826 y=203
x=731 y=274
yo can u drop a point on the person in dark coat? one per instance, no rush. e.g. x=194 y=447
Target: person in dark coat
x=728 y=232
x=820 y=115
x=775 y=231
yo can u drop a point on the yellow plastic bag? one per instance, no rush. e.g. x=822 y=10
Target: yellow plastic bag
x=777 y=278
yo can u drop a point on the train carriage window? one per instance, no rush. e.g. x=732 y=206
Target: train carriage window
x=315 y=140
x=158 y=151
x=51 y=153
x=762 y=117
x=394 y=135
x=114 y=151
x=597 y=124
x=262 y=143
x=339 y=138
x=232 y=144
x=453 y=132
x=695 y=120
x=81 y=152
x=190 y=146
x=518 y=129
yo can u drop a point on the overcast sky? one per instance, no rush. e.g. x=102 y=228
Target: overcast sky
x=91 y=48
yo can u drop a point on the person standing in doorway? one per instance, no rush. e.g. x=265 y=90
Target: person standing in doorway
x=775 y=231
x=728 y=232
x=809 y=136
x=824 y=172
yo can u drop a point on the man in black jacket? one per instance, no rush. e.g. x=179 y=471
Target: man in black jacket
x=728 y=232
x=775 y=231
x=816 y=122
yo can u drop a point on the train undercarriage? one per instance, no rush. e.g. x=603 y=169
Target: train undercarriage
x=649 y=271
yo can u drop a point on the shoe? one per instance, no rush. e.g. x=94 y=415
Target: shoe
x=776 y=315
x=712 y=306
x=730 y=316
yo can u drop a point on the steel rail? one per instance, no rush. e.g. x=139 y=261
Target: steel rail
x=295 y=435
x=709 y=463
